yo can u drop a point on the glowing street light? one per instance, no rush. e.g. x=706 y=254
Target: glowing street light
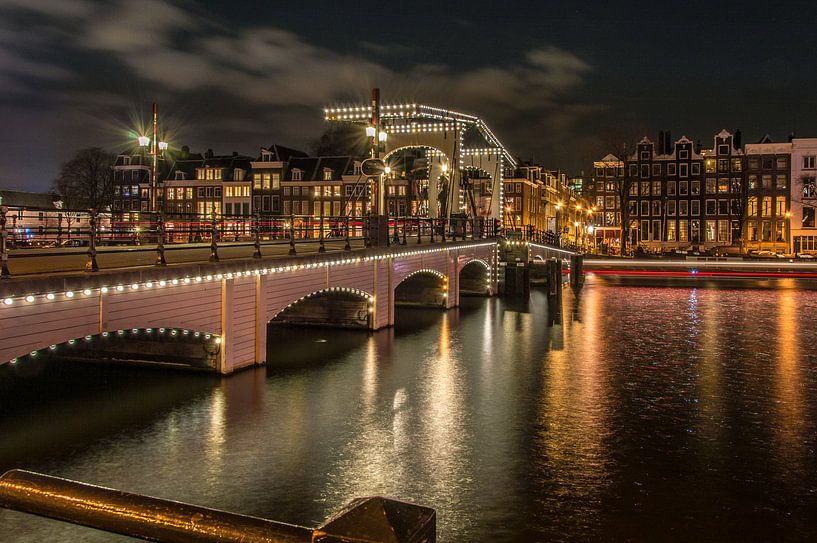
x=370 y=131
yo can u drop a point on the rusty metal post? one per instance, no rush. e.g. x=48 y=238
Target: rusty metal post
x=91 y=264
x=154 y=519
x=257 y=232
x=366 y=226
x=214 y=238
x=4 y=250
x=292 y=251
x=431 y=222
x=419 y=230
x=404 y=242
x=442 y=230
x=160 y=243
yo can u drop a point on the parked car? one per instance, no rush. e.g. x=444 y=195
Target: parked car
x=74 y=242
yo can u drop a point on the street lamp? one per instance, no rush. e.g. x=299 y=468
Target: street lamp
x=576 y=224
x=153 y=149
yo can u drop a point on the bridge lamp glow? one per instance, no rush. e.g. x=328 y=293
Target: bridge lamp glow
x=163 y=146
x=8 y=301
x=29 y=298
x=119 y=288
x=144 y=141
x=69 y=294
x=218 y=341
x=370 y=131
x=382 y=137
x=103 y=290
x=175 y=282
x=135 y=286
x=49 y=296
x=149 y=284
x=162 y=283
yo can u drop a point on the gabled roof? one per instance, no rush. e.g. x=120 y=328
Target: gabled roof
x=610 y=158
x=283 y=154
x=313 y=167
x=766 y=139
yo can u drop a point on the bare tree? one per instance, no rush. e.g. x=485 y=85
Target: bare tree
x=86 y=181
x=740 y=208
x=623 y=150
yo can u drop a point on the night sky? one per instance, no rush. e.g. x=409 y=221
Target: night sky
x=559 y=82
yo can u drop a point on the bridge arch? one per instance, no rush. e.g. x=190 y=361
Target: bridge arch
x=425 y=287
x=156 y=346
x=475 y=278
x=344 y=307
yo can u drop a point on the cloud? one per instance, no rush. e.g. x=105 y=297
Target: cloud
x=238 y=83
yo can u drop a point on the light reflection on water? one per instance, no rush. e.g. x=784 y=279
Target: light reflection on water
x=649 y=414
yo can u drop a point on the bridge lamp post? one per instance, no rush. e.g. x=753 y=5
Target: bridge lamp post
x=153 y=148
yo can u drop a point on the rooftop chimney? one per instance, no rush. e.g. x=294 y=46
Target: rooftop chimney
x=736 y=139
x=208 y=154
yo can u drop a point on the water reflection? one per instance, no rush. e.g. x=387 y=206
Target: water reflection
x=644 y=414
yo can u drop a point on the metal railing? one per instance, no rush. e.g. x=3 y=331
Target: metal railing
x=164 y=521
x=28 y=232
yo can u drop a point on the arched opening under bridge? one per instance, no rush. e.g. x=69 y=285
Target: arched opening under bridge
x=338 y=307
x=423 y=288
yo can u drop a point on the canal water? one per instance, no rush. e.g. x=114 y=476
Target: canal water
x=648 y=414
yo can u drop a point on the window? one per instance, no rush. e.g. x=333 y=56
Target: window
x=633 y=170
x=696 y=207
x=737 y=165
x=695 y=230
x=671 y=188
x=633 y=190
x=754 y=163
x=600 y=201
x=766 y=162
x=188 y=193
x=723 y=230
x=780 y=231
x=711 y=207
x=766 y=231
x=808 y=216
x=200 y=192
x=288 y=208
x=671 y=208
x=256 y=203
x=752 y=182
x=656 y=230
x=170 y=194
x=610 y=202
x=656 y=188
x=296 y=174
x=645 y=208
x=711 y=185
x=683 y=170
x=683 y=230
x=723 y=149
x=723 y=207
x=809 y=187
x=723 y=185
x=645 y=171
x=751 y=206
x=751 y=230
x=710 y=165
x=633 y=209
x=683 y=188
x=256 y=181
x=766 y=207
x=327 y=174
x=265 y=206
x=781 y=181
x=683 y=154
x=656 y=208
x=670 y=230
x=296 y=207
x=656 y=170
x=218 y=192
x=696 y=168
x=296 y=191
x=645 y=231
x=645 y=188
x=723 y=165
x=782 y=163
x=671 y=168
x=779 y=206
x=228 y=208
x=645 y=155
x=736 y=185
x=711 y=230
x=683 y=207
x=238 y=174
x=766 y=182
x=809 y=162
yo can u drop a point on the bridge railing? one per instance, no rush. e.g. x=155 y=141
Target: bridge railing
x=33 y=232
x=153 y=519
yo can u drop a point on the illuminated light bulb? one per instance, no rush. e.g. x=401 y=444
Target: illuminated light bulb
x=175 y=282
x=87 y=292
x=119 y=288
x=162 y=283
x=29 y=298
x=50 y=296
x=104 y=290
x=8 y=301
x=218 y=341
x=69 y=294
x=135 y=286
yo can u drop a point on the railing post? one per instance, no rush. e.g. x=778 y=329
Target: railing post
x=160 y=243
x=322 y=245
x=214 y=239
x=366 y=225
x=419 y=230
x=257 y=232
x=292 y=251
x=4 y=250
x=91 y=264
x=348 y=246
x=442 y=230
x=404 y=242
x=431 y=221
